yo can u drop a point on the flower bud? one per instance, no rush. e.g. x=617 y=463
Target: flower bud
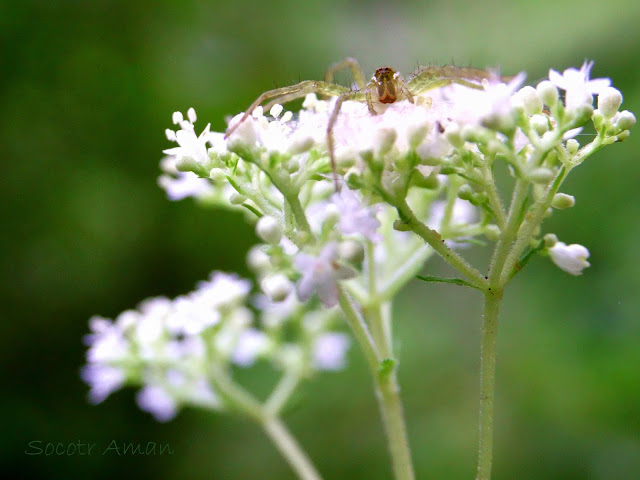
x=548 y=93
x=550 y=240
x=300 y=145
x=582 y=114
x=572 y=146
x=430 y=182
x=417 y=135
x=351 y=251
x=465 y=192
x=269 y=230
x=609 y=101
x=217 y=175
x=385 y=140
x=237 y=199
x=452 y=133
x=258 y=260
x=277 y=287
x=562 y=200
x=188 y=164
x=530 y=100
x=541 y=175
x=626 y=120
x=540 y=123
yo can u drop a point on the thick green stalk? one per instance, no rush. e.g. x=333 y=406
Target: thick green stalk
x=487 y=383
x=386 y=382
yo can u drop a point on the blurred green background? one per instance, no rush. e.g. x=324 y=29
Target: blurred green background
x=86 y=91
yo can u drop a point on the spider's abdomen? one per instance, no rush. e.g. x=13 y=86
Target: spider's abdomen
x=386 y=84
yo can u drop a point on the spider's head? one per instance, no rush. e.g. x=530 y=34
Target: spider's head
x=385 y=79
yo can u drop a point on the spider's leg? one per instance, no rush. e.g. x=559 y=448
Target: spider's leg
x=371 y=88
x=290 y=93
x=402 y=86
x=332 y=121
x=353 y=65
x=435 y=77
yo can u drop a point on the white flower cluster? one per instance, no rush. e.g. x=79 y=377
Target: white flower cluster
x=170 y=346
x=422 y=168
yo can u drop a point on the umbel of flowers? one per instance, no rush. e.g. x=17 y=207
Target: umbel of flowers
x=414 y=180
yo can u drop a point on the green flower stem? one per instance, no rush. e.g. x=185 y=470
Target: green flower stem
x=386 y=383
x=388 y=393
x=272 y=425
x=509 y=233
x=434 y=239
x=281 y=394
x=360 y=331
x=494 y=199
x=289 y=448
x=487 y=384
x=404 y=272
x=298 y=211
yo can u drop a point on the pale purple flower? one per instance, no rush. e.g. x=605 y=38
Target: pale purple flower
x=355 y=218
x=329 y=351
x=579 y=90
x=570 y=258
x=157 y=401
x=321 y=274
x=492 y=105
x=107 y=341
x=103 y=380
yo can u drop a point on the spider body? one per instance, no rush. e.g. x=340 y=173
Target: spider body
x=385 y=87
x=385 y=84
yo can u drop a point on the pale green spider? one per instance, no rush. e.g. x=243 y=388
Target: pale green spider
x=386 y=86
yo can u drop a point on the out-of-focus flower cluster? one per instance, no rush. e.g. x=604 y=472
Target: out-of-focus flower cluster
x=169 y=347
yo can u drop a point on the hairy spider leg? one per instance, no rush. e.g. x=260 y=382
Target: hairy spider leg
x=332 y=121
x=291 y=93
x=356 y=71
x=429 y=78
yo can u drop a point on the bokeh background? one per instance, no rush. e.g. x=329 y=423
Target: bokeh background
x=86 y=91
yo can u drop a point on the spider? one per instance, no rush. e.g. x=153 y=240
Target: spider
x=385 y=87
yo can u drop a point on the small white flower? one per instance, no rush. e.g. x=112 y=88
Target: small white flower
x=492 y=105
x=579 y=90
x=223 y=290
x=570 y=258
x=321 y=274
x=329 y=351
x=191 y=146
x=250 y=345
x=191 y=316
